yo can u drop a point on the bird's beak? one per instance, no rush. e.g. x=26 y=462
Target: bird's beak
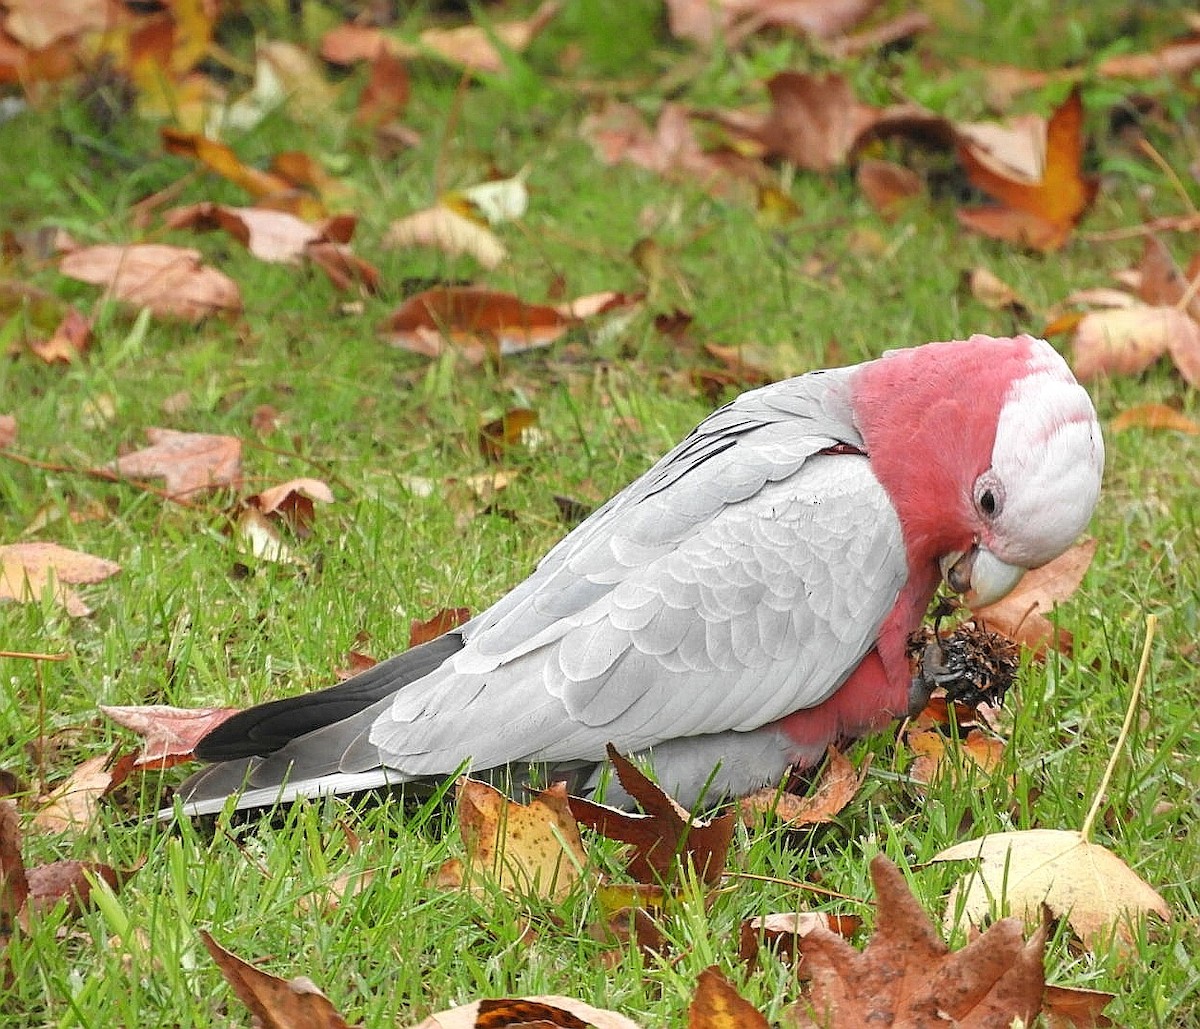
x=979 y=575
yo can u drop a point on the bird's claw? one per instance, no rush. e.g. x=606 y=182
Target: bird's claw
x=937 y=667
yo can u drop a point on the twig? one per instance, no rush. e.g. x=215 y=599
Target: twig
x=103 y=474
x=1168 y=223
x=32 y=656
x=1086 y=830
x=795 y=884
x=1147 y=148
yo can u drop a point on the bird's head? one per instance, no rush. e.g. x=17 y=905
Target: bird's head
x=991 y=452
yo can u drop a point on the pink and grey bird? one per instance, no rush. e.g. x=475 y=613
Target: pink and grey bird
x=743 y=604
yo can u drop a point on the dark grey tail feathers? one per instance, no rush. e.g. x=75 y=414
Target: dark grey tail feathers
x=266 y=728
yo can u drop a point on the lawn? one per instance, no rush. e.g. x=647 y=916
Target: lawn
x=195 y=619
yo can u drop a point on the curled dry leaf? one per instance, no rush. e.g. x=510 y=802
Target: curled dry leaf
x=170 y=281
x=278 y=237
x=835 y=789
x=1042 y=209
x=170 y=733
x=69 y=342
x=937 y=757
x=546 y=1012
x=474 y=320
x=528 y=848
x=27 y=570
x=1099 y=895
x=274 y=1002
x=666 y=838
x=1021 y=615
x=293 y=502
x=189 y=462
x=449 y=231
x=778 y=932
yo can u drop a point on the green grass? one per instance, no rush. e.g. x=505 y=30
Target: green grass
x=190 y=621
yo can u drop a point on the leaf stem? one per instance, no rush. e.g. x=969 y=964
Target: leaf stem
x=1151 y=625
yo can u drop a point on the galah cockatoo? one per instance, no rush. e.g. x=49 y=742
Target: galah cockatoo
x=739 y=607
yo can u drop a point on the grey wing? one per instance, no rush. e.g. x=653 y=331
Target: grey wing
x=739 y=580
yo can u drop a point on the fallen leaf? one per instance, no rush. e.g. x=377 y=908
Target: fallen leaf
x=529 y=848
x=273 y=236
x=907 y=976
x=1179 y=57
x=438 y=625
x=188 y=462
x=993 y=292
x=262 y=537
x=1040 y=212
x=36 y=24
x=170 y=733
x=895 y=30
x=68 y=882
x=514 y=428
x=704 y=21
x=69 y=342
x=937 y=756
x=73 y=805
x=344 y=268
x=385 y=96
x=666 y=838
x=293 y=502
x=779 y=932
x=1127 y=341
x=473 y=320
x=495 y=201
x=284 y=73
x=449 y=231
x=27 y=570
x=170 y=281
x=546 y=1012
x=473 y=46
x=1154 y=416
x=275 y=1003
x=1021 y=615
x=717 y=1005
x=888 y=187
x=1094 y=890
x=8 y=430
x=1068 y=1007
x=837 y=786
x=14 y=883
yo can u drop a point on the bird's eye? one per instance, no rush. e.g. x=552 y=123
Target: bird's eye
x=989 y=495
x=987 y=502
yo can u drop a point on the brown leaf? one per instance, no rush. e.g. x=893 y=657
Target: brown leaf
x=512 y=429
x=344 y=268
x=73 y=805
x=170 y=281
x=779 y=932
x=36 y=24
x=472 y=46
x=385 y=95
x=171 y=733
x=717 y=1005
x=274 y=1002
x=1069 y=1007
x=1179 y=57
x=14 y=883
x=1094 y=890
x=888 y=187
x=993 y=292
x=527 y=1013
x=8 y=431
x=292 y=502
x=450 y=231
x=664 y=839
x=474 y=320
x=907 y=976
x=189 y=462
x=835 y=789
x=532 y=847
x=1154 y=416
x=1021 y=615
x=69 y=342
x=274 y=189
x=441 y=623
x=69 y=881
x=937 y=755
x=1041 y=213
x=277 y=237
x=28 y=569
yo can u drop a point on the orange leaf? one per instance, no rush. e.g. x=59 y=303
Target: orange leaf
x=441 y=623
x=837 y=786
x=1154 y=416
x=1042 y=213
x=69 y=342
x=292 y=501
x=717 y=1005
x=386 y=93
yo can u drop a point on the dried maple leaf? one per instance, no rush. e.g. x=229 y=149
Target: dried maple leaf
x=1021 y=615
x=189 y=462
x=1126 y=341
x=1040 y=212
x=171 y=733
x=274 y=1002
x=27 y=570
x=1094 y=890
x=532 y=847
x=441 y=623
x=835 y=789
x=69 y=882
x=473 y=320
x=1068 y=1007
x=717 y=1005
x=170 y=281
x=548 y=1012
x=667 y=837
x=907 y=976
